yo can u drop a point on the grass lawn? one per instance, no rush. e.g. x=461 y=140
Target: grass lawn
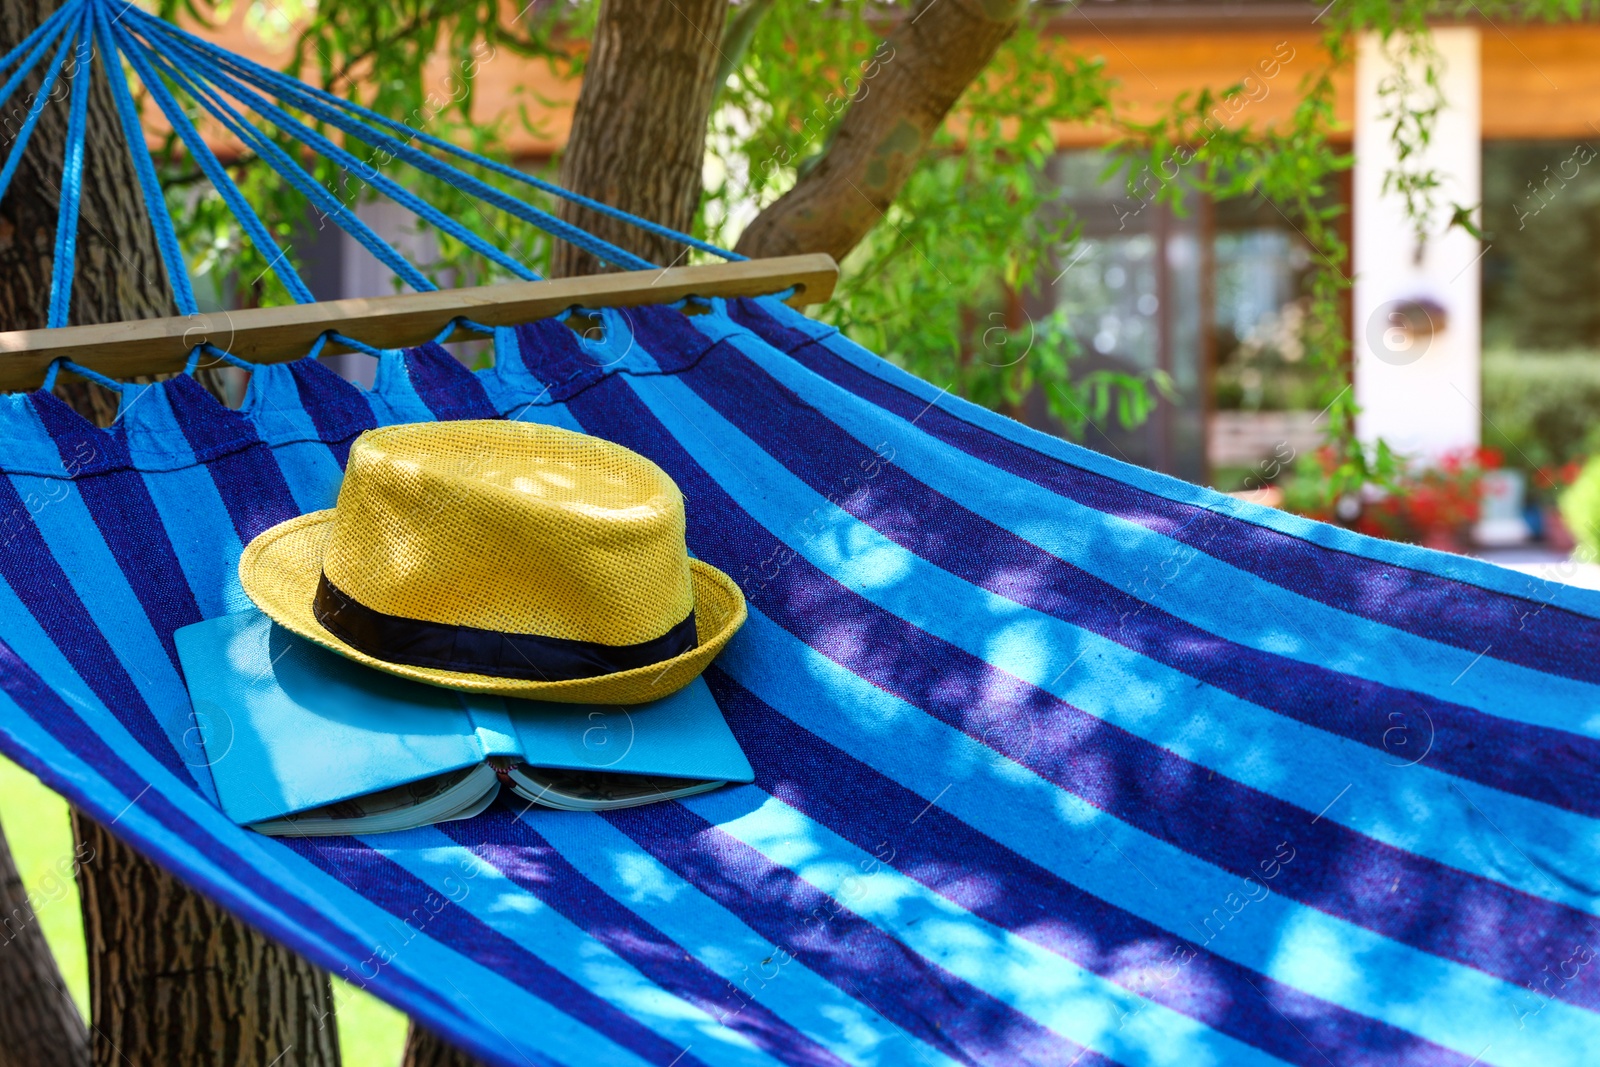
x=371 y=1034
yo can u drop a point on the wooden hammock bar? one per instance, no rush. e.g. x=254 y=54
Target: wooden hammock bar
x=278 y=334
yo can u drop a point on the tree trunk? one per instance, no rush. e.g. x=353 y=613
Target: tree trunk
x=39 y=1023
x=637 y=143
x=908 y=89
x=119 y=274
x=639 y=131
x=173 y=979
x=423 y=1049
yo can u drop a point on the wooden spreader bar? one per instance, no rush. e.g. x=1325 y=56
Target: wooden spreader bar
x=280 y=334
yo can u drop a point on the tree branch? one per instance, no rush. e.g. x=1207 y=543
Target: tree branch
x=926 y=63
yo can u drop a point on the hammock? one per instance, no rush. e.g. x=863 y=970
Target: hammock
x=1058 y=760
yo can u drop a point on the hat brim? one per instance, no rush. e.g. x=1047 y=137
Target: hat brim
x=280 y=569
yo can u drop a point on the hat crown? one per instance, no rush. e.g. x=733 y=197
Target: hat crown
x=514 y=527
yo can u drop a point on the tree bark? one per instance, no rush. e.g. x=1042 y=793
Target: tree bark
x=926 y=63
x=637 y=143
x=425 y=1049
x=639 y=130
x=119 y=274
x=39 y=1023
x=173 y=979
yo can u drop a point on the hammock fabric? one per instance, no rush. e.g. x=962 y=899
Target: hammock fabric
x=1058 y=760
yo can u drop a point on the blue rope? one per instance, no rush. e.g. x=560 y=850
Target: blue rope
x=39 y=100
x=226 y=357
x=296 y=175
x=160 y=52
x=49 y=28
x=354 y=345
x=334 y=335
x=50 y=373
x=320 y=144
x=284 y=86
x=72 y=177
x=459 y=321
x=149 y=185
x=221 y=180
x=56 y=25
x=294 y=92
x=92 y=375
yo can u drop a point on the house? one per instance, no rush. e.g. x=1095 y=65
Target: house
x=1212 y=295
x=1513 y=141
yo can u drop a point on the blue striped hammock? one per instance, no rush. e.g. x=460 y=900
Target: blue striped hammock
x=1058 y=760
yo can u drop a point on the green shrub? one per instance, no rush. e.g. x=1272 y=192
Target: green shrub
x=1541 y=409
x=1580 y=507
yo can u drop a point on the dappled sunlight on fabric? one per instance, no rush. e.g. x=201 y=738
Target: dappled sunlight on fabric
x=619 y=960
x=1024 y=643
x=508 y=899
x=1306 y=952
x=1045 y=985
x=1148 y=964
x=623 y=985
x=646 y=881
x=1021 y=582
x=776 y=829
x=962 y=755
x=629 y=943
x=865 y=1042
x=868 y=560
x=1284 y=642
x=1023 y=734
x=1309 y=954
x=873 y=968
x=1100 y=765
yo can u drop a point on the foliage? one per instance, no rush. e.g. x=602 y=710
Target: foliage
x=1538 y=284
x=1412 y=100
x=932 y=287
x=1580 y=509
x=1539 y=408
x=1429 y=504
x=935 y=285
x=388 y=57
x=1292 y=167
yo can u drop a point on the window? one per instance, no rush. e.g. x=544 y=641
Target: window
x=1214 y=296
x=1132 y=292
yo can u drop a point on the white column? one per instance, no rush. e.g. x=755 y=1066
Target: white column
x=1419 y=390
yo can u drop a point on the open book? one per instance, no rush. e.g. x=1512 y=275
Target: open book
x=300 y=740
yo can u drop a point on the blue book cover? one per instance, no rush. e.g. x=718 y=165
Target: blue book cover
x=289 y=727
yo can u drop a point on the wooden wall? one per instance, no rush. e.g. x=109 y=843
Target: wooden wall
x=1538 y=81
x=1152 y=68
x=1541 y=81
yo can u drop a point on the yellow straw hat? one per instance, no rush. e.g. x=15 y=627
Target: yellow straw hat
x=501 y=557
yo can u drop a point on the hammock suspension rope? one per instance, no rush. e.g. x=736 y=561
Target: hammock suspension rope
x=224 y=87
